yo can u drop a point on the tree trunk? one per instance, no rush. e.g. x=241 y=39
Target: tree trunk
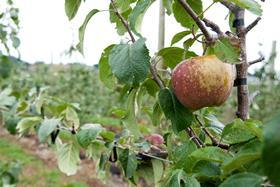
x=241 y=69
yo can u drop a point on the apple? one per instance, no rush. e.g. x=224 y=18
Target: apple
x=202 y=81
x=155 y=139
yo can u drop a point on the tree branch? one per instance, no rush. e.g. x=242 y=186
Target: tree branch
x=256 y=61
x=124 y=22
x=253 y=24
x=199 y=23
x=214 y=141
x=213 y=26
x=229 y=5
x=194 y=138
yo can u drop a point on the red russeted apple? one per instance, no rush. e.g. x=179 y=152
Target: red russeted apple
x=155 y=139
x=202 y=82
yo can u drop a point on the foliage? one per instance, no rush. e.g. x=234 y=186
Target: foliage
x=9 y=26
x=9 y=173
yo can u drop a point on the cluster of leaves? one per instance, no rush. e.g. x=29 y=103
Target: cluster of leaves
x=9 y=26
x=74 y=83
x=9 y=173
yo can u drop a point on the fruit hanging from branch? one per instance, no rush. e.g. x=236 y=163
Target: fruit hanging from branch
x=202 y=82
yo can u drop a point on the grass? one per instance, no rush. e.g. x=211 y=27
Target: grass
x=34 y=172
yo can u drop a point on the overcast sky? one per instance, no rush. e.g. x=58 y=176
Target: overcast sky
x=46 y=32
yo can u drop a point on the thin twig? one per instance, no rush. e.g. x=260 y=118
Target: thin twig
x=215 y=142
x=199 y=23
x=253 y=24
x=206 y=8
x=213 y=26
x=156 y=77
x=196 y=37
x=228 y=4
x=194 y=138
x=253 y=96
x=257 y=60
x=124 y=22
x=156 y=157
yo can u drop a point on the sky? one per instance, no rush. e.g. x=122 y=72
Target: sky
x=46 y=33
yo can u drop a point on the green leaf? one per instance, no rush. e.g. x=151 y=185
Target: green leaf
x=250 y=5
x=181 y=156
x=136 y=16
x=255 y=127
x=46 y=128
x=179 y=36
x=167 y=4
x=15 y=41
x=224 y=50
x=158 y=169
x=130 y=119
x=121 y=30
x=182 y=16
x=107 y=135
x=230 y=22
x=130 y=63
x=5 y=97
x=207 y=169
x=213 y=154
x=122 y=5
x=179 y=178
x=26 y=123
x=68 y=158
x=243 y=180
x=236 y=132
x=213 y=123
x=129 y=162
x=88 y=133
x=171 y=56
x=151 y=87
x=82 y=30
x=71 y=8
x=187 y=44
x=271 y=150
x=71 y=118
x=105 y=72
x=102 y=161
x=180 y=116
x=157 y=114
x=247 y=153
